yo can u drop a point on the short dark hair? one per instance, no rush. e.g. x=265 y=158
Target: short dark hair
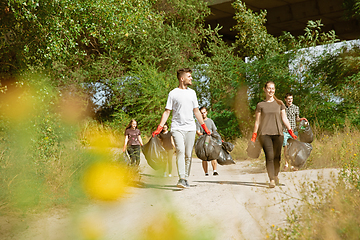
x=288 y=95
x=182 y=71
x=203 y=108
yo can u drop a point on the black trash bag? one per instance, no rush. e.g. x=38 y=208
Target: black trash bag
x=154 y=153
x=207 y=147
x=298 y=152
x=253 y=149
x=228 y=146
x=224 y=157
x=305 y=133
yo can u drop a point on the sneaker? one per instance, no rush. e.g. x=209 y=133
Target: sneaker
x=165 y=175
x=216 y=173
x=169 y=175
x=206 y=174
x=272 y=184
x=187 y=184
x=181 y=183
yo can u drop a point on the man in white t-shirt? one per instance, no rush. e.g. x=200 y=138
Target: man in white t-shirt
x=183 y=101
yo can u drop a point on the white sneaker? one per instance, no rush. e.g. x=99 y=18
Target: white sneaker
x=165 y=175
x=169 y=175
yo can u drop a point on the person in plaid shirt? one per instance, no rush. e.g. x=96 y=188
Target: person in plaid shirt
x=292 y=113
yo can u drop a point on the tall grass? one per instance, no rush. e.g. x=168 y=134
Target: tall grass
x=48 y=147
x=330 y=150
x=336 y=149
x=328 y=209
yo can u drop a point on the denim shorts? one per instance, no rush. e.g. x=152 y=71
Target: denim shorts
x=287 y=136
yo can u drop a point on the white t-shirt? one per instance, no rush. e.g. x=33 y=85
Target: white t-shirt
x=182 y=102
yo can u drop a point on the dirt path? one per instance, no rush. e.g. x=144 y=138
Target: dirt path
x=237 y=204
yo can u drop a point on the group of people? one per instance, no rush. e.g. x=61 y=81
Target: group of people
x=275 y=122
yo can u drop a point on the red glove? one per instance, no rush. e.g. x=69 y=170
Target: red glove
x=206 y=129
x=292 y=134
x=253 y=138
x=157 y=131
x=303 y=119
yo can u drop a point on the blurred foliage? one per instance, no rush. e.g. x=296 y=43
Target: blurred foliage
x=352 y=8
x=43 y=152
x=34 y=162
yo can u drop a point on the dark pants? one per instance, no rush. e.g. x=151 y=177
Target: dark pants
x=169 y=158
x=134 y=153
x=272 y=148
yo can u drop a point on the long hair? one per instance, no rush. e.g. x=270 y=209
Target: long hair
x=130 y=124
x=276 y=99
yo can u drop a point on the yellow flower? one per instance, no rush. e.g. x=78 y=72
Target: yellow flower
x=105 y=181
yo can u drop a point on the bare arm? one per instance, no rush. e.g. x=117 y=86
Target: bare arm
x=199 y=133
x=285 y=119
x=198 y=116
x=126 y=142
x=164 y=117
x=257 y=121
x=140 y=140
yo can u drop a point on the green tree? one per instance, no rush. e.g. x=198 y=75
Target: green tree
x=217 y=81
x=88 y=42
x=337 y=75
x=252 y=38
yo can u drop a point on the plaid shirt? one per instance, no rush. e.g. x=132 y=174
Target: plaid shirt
x=292 y=114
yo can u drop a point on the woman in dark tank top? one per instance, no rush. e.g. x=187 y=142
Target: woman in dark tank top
x=268 y=117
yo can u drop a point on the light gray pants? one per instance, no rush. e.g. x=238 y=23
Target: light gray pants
x=184 y=143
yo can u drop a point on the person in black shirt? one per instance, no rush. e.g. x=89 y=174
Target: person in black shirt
x=168 y=143
x=199 y=131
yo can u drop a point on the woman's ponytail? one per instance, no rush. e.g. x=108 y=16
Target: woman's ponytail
x=279 y=101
